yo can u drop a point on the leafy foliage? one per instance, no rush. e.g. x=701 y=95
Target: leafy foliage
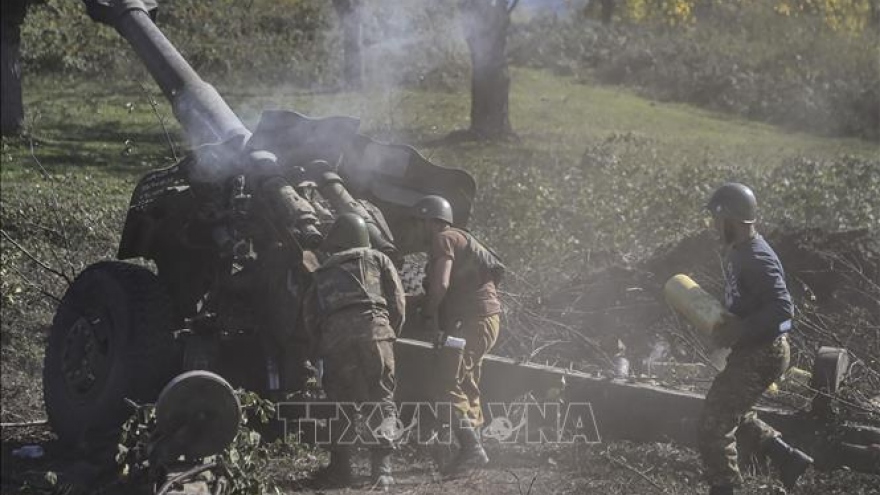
x=293 y=42
x=247 y=458
x=244 y=462
x=618 y=202
x=841 y=15
x=275 y=40
x=807 y=64
x=748 y=60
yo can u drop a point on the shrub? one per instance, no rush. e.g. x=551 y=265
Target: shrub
x=289 y=42
x=792 y=71
x=285 y=41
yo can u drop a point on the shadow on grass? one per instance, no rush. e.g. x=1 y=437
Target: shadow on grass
x=108 y=145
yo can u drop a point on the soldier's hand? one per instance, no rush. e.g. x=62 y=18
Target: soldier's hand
x=438 y=337
x=432 y=329
x=728 y=332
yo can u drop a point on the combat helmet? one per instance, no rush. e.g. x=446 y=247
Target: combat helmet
x=734 y=201
x=348 y=231
x=433 y=208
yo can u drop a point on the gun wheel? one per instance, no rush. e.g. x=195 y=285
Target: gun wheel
x=110 y=340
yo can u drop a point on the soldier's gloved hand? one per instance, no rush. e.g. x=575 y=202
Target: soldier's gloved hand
x=728 y=332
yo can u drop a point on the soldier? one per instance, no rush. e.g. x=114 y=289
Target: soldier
x=461 y=301
x=354 y=311
x=760 y=312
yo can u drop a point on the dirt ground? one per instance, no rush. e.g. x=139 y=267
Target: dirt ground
x=612 y=468
x=835 y=285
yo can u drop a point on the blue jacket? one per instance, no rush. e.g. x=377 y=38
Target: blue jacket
x=755 y=291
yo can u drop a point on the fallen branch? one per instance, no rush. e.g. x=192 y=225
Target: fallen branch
x=155 y=107
x=633 y=469
x=30 y=283
x=519 y=483
x=35 y=259
x=25 y=424
x=55 y=207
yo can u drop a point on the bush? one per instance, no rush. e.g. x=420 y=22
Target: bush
x=271 y=41
x=754 y=62
x=290 y=42
x=622 y=202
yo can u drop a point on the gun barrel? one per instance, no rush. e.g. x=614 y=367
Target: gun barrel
x=204 y=115
x=333 y=190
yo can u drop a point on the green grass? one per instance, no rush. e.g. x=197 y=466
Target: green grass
x=536 y=196
x=561 y=114
x=86 y=126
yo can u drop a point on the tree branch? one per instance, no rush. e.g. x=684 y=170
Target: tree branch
x=62 y=228
x=34 y=258
x=37 y=287
x=25 y=424
x=631 y=468
x=155 y=107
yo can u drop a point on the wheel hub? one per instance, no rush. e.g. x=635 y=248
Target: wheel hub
x=86 y=354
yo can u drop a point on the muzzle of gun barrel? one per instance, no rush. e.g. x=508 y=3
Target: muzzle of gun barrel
x=309 y=237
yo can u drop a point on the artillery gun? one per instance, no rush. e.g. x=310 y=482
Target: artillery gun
x=234 y=230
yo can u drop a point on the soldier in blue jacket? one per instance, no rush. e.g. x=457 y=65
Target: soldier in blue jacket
x=760 y=311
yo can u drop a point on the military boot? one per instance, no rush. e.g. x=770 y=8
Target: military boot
x=721 y=490
x=791 y=462
x=338 y=473
x=380 y=468
x=471 y=454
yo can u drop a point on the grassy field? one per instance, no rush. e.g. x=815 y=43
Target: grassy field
x=595 y=169
x=111 y=135
x=86 y=125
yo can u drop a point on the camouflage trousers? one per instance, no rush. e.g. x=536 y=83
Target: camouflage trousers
x=359 y=371
x=460 y=384
x=727 y=410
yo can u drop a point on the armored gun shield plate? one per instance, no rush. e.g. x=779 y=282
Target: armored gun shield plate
x=197 y=415
x=398 y=175
x=395 y=177
x=296 y=139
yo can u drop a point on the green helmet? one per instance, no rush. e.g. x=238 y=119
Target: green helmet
x=348 y=231
x=434 y=208
x=734 y=201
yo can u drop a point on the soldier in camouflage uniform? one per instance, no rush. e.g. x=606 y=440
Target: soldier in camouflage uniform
x=760 y=311
x=353 y=312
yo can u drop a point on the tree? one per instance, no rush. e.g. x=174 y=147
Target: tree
x=485 y=24
x=350 y=13
x=607 y=12
x=11 y=106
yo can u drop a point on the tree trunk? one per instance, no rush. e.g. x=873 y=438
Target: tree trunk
x=11 y=106
x=607 y=11
x=485 y=25
x=349 y=12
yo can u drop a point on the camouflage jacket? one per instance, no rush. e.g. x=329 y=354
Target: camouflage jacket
x=356 y=294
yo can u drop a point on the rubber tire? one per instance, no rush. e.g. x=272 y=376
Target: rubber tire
x=142 y=356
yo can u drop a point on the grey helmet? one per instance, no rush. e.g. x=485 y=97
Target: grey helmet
x=433 y=208
x=348 y=231
x=734 y=201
